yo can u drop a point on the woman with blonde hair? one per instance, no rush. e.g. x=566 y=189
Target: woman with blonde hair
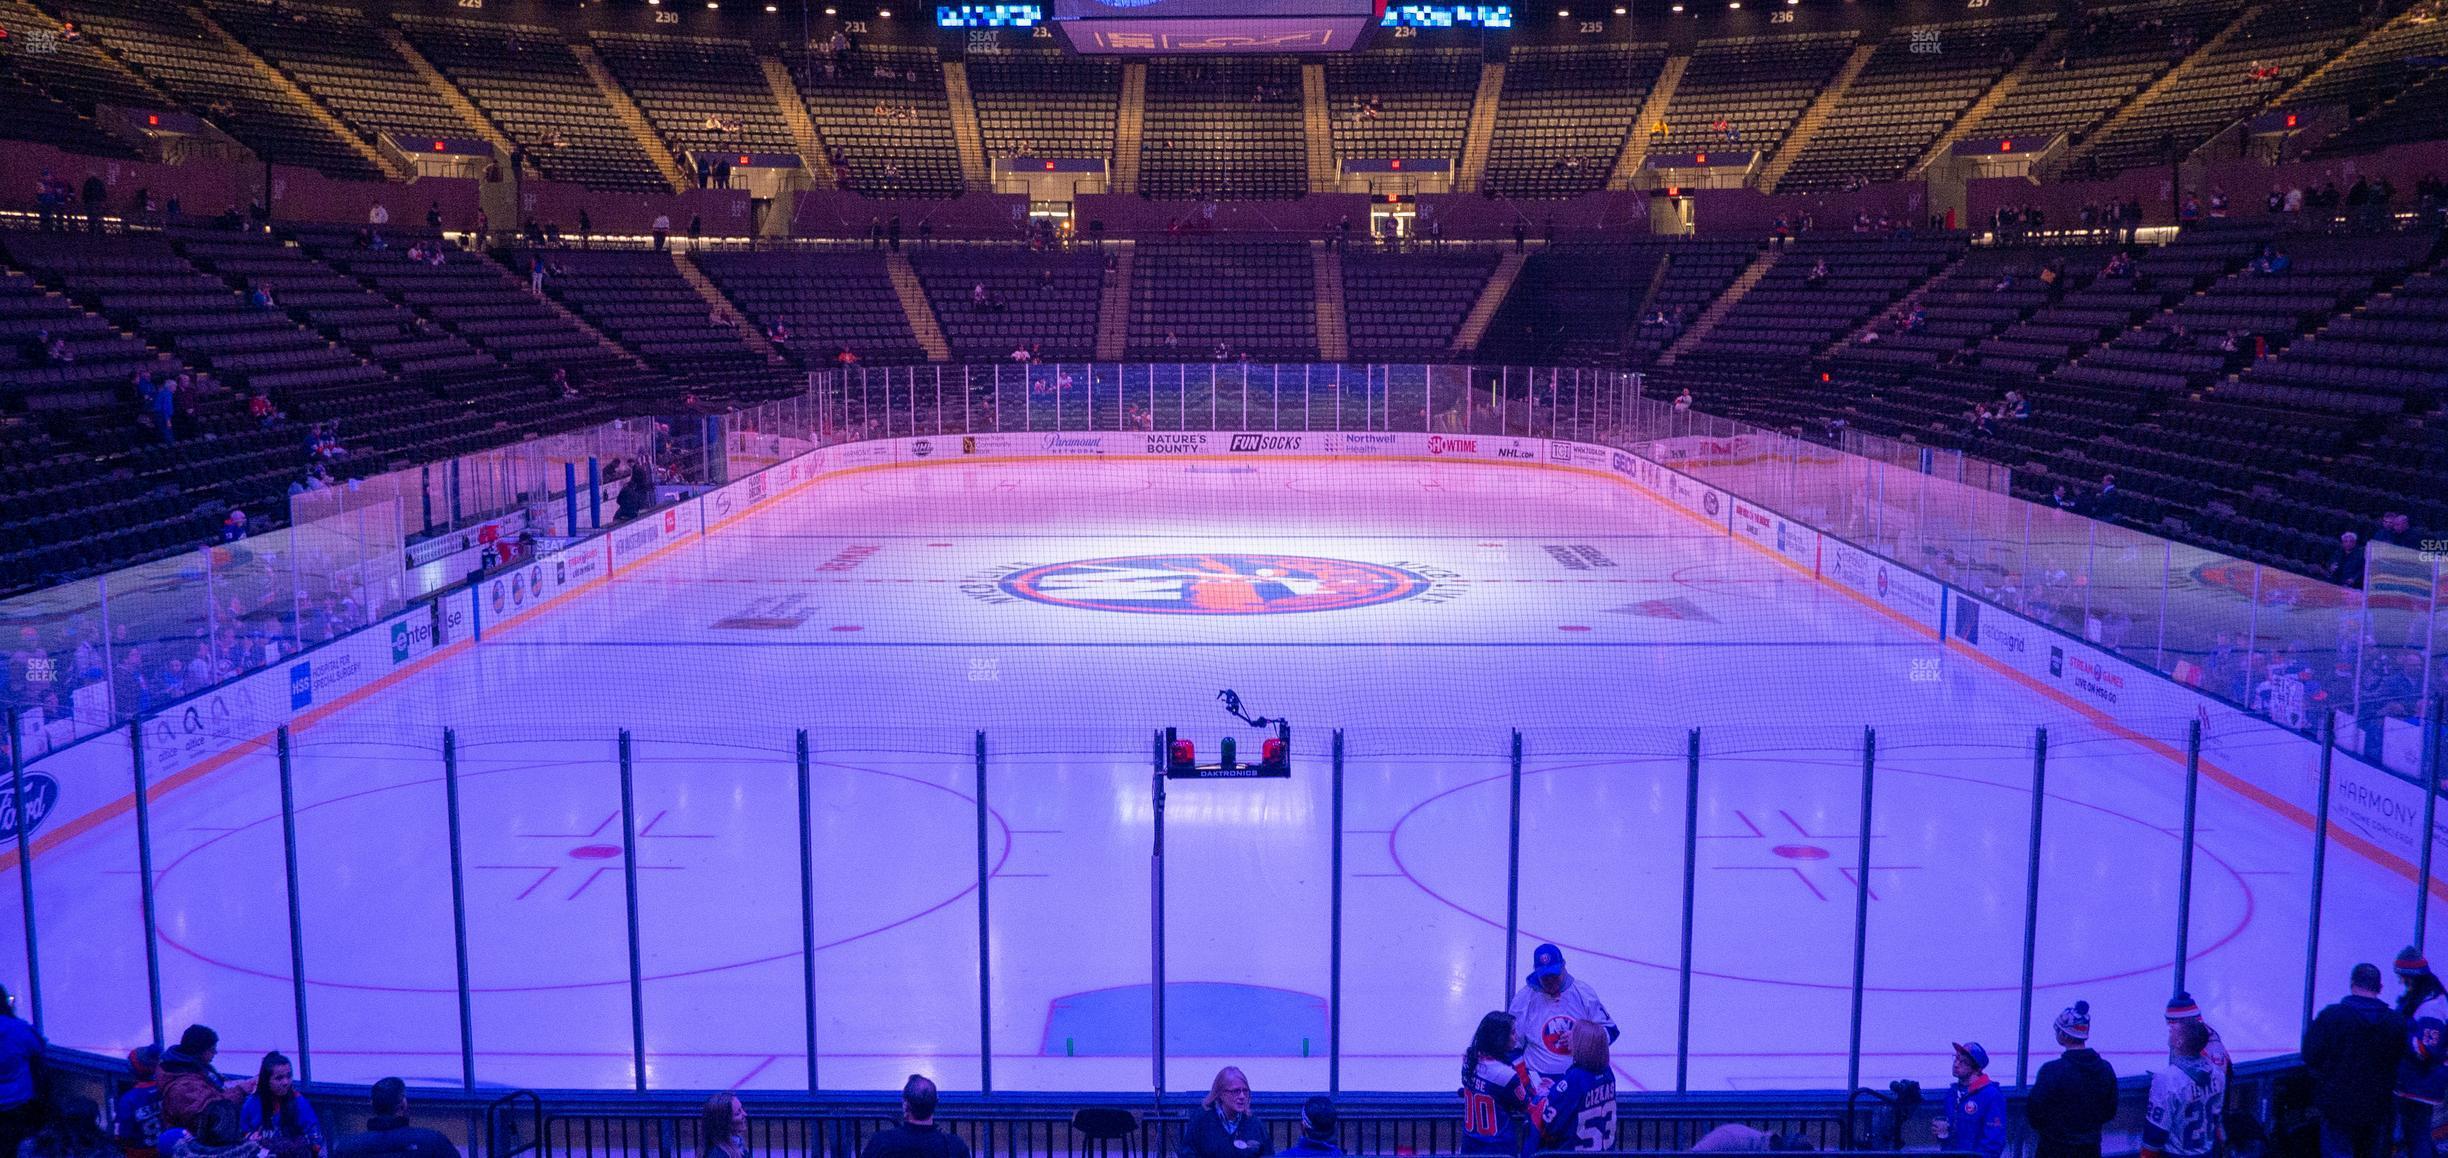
x=1580 y=1109
x=1224 y=1127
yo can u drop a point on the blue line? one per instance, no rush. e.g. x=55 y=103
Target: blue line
x=1075 y=533
x=1182 y=643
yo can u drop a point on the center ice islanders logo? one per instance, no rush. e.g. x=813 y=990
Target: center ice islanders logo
x=1215 y=584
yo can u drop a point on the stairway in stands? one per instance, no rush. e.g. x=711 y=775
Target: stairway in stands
x=1482 y=128
x=1725 y=303
x=967 y=141
x=1653 y=110
x=1317 y=126
x=715 y=299
x=2048 y=49
x=1814 y=117
x=1113 y=307
x=1130 y=124
x=914 y=305
x=631 y=117
x=803 y=132
x=1333 y=332
x=1482 y=313
x=237 y=50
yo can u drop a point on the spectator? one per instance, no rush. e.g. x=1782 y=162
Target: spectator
x=94 y=193
x=1224 y=1127
x=1818 y=274
x=379 y=215
x=662 y=230
x=388 y=1134
x=433 y=215
x=1550 y=1003
x=892 y=233
x=1579 y=1110
x=2182 y=1008
x=234 y=525
x=2187 y=1097
x=217 y=1134
x=696 y=231
x=2075 y=1095
x=189 y=1083
x=636 y=493
x=74 y=1131
x=1683 y=402
x=2346 y=562
x=21 y=1074
x=916 y=1135
x=47 y=201
x=138 y=1110
x=2353 y=1050
x=1975 y=1118
x=1317 y=1133
x=2108 y=501
x=277 y=1116
x=722 y=1129
x=2421 y=1078
x=2395 y=530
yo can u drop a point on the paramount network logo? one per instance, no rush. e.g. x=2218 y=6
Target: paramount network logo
x=1060 y=444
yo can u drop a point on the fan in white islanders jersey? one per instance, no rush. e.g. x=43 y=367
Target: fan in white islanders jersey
x=1548 y=1007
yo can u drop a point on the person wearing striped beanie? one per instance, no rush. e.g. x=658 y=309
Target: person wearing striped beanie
x=2075 y=1094
x=2422 y=1081
x=2181 y=1008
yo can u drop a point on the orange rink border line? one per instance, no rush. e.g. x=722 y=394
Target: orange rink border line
x=2218 y=775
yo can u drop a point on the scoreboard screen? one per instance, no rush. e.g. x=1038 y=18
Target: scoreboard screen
x=1160 y=27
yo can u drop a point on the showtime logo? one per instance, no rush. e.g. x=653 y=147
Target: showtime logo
x=1439 y=444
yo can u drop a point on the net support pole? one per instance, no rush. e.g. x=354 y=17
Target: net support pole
x=807 y=905
x=1334 y=937
x=2320 y=866
x=1156 y=921
x=297 y=910
x=985 y=959
x=1691 y=876
x=459 y=933
x=1513 y=875
x=2031 y=902
x=144 y=874
x=2430 y=818
x=629 y=882
x=2184 y=867
x=25 y=864
x=1861 y=908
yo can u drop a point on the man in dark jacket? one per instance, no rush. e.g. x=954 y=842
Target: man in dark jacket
x=917 y=1135
x=189 y=1083
x=388 y=1134
x=2075 y=1095
x=1317 y=1135
x=2352 y=1050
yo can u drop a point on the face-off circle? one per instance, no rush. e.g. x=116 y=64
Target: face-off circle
x=1214 y=584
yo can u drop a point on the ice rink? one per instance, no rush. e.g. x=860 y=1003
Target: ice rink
x=1068 y=609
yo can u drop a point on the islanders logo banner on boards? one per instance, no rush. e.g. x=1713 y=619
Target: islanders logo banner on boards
x=1214 y=584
